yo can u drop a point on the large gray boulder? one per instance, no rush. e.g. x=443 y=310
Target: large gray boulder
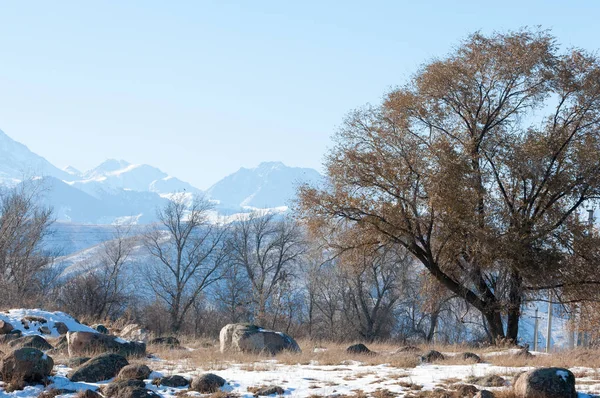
x=546 y=383
x=251 y=338
x=81 y=343
x=25 y=365
x=100 y=368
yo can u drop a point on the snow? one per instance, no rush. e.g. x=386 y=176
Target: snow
x=15 y=316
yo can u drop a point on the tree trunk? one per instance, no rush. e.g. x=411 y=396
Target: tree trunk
x=514 y=307
x=432 y=326
x=496 y=328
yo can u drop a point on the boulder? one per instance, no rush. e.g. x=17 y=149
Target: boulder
x=100 y=368
x=33 y=341
x=5 y=327
x=134 y=372
x=44 y=330
x=484 y=394
x=128 y=389
x=26 y=365
x=270 y=390
x=169 y=341
x=546 y=383
x=359 y=349
x=251 y=338
x=85 y=342
x=88 y=394
x=470 y=357
x=432 y=356
x=173 y=381
x=62 y=329
x=207 y=383
x=134 y=332
x=100 y=328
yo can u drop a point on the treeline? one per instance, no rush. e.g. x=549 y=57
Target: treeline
x=186 y=274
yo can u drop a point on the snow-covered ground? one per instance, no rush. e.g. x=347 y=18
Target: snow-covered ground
x=16 y=316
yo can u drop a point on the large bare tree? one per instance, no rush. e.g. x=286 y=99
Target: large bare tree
x=188 y=252
x=478 y=167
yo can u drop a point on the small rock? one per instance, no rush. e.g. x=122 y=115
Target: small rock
x=263 y=392
x=207 y=383
x=484 y=394
x=465 y=390
x=359 y=349
x=88 y=394
x=470 y=357
x=134 y=372
x=62 y=329
x=432 y=356
x=99 y=368
x=170 y=341
x=100 y=328
x=34 y=341
x=173 y=381
x=33 y=318
x=5 y=327
x=44 y=330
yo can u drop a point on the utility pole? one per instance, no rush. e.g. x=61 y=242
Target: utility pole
x=549 y=329
x=535 y=330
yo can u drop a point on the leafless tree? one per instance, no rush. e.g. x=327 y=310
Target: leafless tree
x=24 y=223
x=188 y=254
x=268 y=248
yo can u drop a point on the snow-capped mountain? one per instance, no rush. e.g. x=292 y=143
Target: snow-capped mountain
x=117 y=190
x=17 y=162
x=269 y=185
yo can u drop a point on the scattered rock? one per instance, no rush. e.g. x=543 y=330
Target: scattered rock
x=207 y=383
x=33 y=341
x=173 y=381
x=470 y=357
x=488 y=381
x=359 y=349
x=465 y=390
x=128 y=389
x=546 y=383
x=484 y=394
x=100 y=328
x=32 y=318
x=432 y=356
x=84 y=342
x=251 y=338
x=169 y=341
x=26 y=365
x=134 y=372
x=62 y=329
x=134 y=332
x=44 y=330
x=5 y=327
x=88 y=394
x=100 y=368
x=270 y=390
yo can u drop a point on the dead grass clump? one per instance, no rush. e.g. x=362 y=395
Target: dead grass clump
x=565 y=359
x=491 y=380
x=383 y=393
x=51 y=393
x=223 y=394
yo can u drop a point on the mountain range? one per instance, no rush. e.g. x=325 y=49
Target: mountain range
x=117 y=190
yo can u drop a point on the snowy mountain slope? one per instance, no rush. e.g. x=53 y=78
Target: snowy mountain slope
x=270 y=185
x=17 y=162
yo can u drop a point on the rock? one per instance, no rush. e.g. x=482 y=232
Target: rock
x=470 y=357
x=359 y=349
x=207 y=383
x=465 y=390
x=100 y=328
x=88 y=394
x=432 y=356
x=173 y=381
x=44 y=330
x=488 y=381
x=134 y=372
x=100 y=368
x=263 y=392
x=76 y=361
x=35 y=319
x=85 y=342
x=134 y=332
x=26 y=365
x=250 y=338
x=170 y=341
x=484 y=394
x=546 y=383
x=5 y=327
x=31 y=341
x=524 y=353
x=7 y=338
x=62 y=329
x=128 y=389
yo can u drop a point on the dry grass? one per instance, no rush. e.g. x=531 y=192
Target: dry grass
x=566 y=359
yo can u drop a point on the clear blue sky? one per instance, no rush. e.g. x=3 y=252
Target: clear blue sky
x=201 y=88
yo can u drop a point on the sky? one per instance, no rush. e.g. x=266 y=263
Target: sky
x=202 y=88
